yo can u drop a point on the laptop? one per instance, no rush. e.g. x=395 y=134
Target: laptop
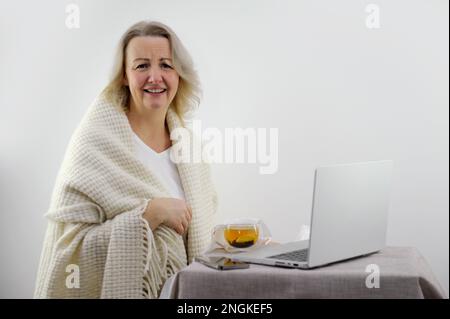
x=349 y=218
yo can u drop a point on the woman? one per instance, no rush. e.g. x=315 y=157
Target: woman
x=123 y=216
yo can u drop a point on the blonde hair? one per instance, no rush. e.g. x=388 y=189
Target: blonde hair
x=189 y=90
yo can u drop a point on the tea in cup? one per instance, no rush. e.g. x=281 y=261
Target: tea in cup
x=241 y=235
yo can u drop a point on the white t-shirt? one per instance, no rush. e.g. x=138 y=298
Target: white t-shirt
x=161 y=165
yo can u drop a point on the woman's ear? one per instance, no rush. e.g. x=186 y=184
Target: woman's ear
x=125 y=80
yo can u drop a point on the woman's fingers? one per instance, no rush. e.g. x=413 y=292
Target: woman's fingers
x=182 y=225
x=184 y=217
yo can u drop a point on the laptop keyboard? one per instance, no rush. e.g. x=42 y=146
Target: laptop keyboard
x=296 y=255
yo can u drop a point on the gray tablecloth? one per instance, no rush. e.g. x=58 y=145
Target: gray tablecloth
x=404 y=273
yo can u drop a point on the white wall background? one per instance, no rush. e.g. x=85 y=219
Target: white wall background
x=338 y=92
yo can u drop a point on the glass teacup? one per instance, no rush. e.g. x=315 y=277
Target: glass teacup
x=241 y=235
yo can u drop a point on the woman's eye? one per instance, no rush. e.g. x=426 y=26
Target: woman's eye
x=141 y=66
x=166 y=66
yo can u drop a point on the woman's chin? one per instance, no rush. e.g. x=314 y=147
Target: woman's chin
x=153 y=105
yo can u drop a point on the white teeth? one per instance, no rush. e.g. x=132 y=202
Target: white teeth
x=154 y=91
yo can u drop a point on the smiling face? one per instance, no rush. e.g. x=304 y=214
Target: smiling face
x=150 y=76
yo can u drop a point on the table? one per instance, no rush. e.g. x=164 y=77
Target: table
x=403 y=273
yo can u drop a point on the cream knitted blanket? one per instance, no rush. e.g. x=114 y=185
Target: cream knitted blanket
x=95 y=215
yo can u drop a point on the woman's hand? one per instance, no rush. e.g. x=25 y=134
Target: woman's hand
x=173 y=212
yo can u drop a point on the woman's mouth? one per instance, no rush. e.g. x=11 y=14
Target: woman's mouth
x=155 y=92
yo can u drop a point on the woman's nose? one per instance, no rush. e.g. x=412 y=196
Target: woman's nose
x=154 y=75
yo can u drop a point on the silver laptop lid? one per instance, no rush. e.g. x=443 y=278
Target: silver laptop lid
x=350 y=208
